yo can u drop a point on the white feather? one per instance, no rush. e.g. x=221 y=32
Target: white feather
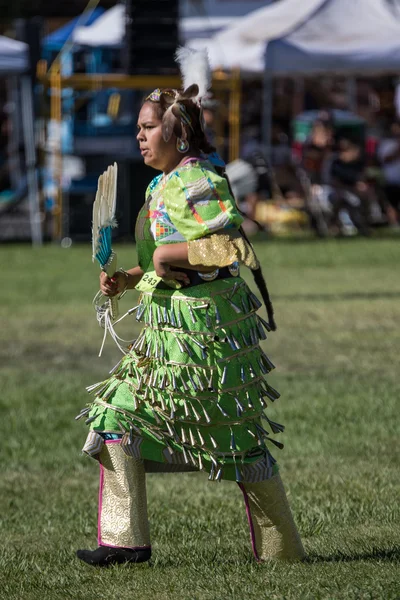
x=195 y=68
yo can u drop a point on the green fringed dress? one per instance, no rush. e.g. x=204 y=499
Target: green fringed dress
x=191 y=392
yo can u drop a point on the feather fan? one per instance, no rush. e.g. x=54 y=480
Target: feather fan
x=103 y=223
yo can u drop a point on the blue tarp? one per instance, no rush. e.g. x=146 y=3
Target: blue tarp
x=56 y=40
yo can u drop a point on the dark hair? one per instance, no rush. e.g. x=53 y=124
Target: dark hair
x=169 y=110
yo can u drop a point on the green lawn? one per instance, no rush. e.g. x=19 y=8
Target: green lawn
x=337 y=350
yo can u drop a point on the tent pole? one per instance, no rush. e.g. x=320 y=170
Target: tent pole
x=56 y=120
x=351 y=89
x=30 y=159
x=14 y=135
x=266 y=109
x=298 y=97
x=266 y=127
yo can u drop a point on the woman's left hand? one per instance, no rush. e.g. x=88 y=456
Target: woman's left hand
x=164 y=270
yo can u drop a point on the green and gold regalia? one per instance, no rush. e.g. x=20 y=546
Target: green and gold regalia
x=191 y=393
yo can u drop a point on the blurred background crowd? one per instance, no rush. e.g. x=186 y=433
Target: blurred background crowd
x=304 y=109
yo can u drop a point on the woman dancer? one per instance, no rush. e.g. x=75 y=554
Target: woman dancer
x=191 y=392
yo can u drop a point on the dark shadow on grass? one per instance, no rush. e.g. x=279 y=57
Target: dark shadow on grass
x=390 y=555
x=219 y=560
x=194 y=561
x=383 y=295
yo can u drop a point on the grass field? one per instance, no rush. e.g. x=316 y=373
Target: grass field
x=337 y=353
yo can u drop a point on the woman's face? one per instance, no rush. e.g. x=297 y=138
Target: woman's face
x=156 y=153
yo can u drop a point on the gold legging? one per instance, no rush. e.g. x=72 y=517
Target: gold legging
x=272 y=529
x=123 y=520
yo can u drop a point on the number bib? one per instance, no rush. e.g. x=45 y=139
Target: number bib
x=150 y=281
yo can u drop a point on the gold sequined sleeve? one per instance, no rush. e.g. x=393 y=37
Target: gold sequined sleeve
x=221 y=250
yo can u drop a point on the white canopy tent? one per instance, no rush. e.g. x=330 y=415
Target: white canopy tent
x=109 y=29
x=361 y=36
x=14 y=62
x=13 y=56
x=310 y=37
x=242 y=44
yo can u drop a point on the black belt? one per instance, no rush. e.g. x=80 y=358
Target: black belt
x=195 y=279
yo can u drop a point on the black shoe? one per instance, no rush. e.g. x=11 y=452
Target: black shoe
x=104 y=556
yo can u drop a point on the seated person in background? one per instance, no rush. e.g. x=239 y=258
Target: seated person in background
x=389 y=158
x=347 y=167
x=318 y=148
x=349 y=187
x=314 y=172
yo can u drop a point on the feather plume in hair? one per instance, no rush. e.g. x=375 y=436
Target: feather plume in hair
x=195 y=69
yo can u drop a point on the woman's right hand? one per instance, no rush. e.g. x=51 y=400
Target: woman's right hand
x=111 y=286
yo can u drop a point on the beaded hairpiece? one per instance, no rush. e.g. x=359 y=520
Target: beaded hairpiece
x=155 y=95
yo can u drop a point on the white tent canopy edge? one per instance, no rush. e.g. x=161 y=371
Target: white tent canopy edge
x=13 y=56
x=14 y=61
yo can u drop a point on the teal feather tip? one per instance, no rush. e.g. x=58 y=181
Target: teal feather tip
x=103 y=247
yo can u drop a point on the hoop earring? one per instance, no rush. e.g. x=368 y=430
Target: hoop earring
x=182 y=145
